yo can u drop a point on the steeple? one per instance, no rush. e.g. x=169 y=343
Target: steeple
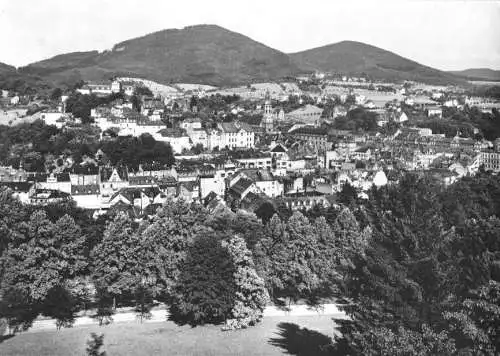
x=268 y=119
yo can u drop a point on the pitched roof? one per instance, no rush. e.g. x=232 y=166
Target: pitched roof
x=229 y=127
x=91 y=189
x=142 y=180
x=241 y=186
x=307 y=130
x=106 y=173
x=279 y=148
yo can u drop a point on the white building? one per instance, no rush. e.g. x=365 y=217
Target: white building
x=178 y=139
x=210 y=184
x=100 y=88
x=51 y=117
x=234 y=135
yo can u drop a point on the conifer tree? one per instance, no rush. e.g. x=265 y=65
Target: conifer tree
x=250 y=293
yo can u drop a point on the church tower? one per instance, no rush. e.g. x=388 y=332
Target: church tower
x=268 y=119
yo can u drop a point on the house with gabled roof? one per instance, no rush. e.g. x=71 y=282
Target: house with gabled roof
x=20 y=190
x=241 y=188
x=55 y=181
x=138 y=197
x=215 y=204
x=112 y=179
x=188 y=191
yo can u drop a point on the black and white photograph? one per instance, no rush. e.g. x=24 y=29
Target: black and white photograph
x=250 y=178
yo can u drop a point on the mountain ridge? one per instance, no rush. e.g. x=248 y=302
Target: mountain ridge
x=353 y=57
x=478 y=74
x=207 y=54
x=210 y=54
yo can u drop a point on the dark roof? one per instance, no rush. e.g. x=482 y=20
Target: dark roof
x=125 y=208
x=279 y=148
x=258 y=175
x=363 y=149
x=18 y=186
x=88 y=169
x=209 y=198
x=229 y=127
x=42 y=177
x=188 y=185
x=241 y=186
x=317 y=131
x=168 y=132
x=91 y=189
x=142 y=180
x=254 y=201
x=106 y=173
x=134 y=193
x=52 y=193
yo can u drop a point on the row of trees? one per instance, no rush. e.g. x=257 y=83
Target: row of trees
x=43 y=255
x=207 y=268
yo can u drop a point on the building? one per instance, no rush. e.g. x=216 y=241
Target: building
x=198 y=137
x=434 y=111
x=268 y=119
x=362 y=154
x=128 y=87
x=401 y=117
x=496 y=144
x=212 y=184
x=214 y=139
x=20 y=190
x=309 y=115
x=242 y=187
x=190 y=124
x=490 y=161
x=100 y=88
x=60 y=182
x=306 y=200
x=317 y=137
x=112 y=179
x=51 y=117
x=261 y=162
x=86 y=196
x=233 y=135
x=178 y=139
x=47 y=196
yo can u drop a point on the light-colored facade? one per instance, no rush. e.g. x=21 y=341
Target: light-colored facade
x=234 y=136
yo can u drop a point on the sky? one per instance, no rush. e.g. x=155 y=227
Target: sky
x=445 y=34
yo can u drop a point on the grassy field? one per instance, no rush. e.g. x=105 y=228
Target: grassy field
x=301 y=336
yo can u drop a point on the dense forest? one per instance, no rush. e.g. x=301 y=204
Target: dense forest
x=416 y=267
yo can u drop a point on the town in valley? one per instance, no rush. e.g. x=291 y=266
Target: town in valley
x=194 y=191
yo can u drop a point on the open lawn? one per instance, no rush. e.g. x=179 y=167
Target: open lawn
x=276 y=335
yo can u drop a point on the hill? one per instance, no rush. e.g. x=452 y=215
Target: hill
x=478 y=74
x=205 y=54
x=6 y=69
x=12 y=79
x=358 y=58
